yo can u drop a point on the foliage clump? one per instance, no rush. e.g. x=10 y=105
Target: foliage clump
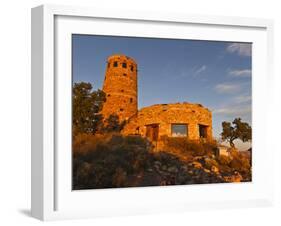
x=113 y=124
x=109 y=162
x=191 y=148
x=87 y=104
x=87 y=117
x=238 y=130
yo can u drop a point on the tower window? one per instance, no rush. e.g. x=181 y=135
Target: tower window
x=122 y=90
x=131 y=100
x=132 y=68
x=115 y=64
x=108 y=65
x=125 y=74
x=108 y=95
x=121 y=109
x=124 y=65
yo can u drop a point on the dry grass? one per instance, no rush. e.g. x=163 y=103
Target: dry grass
x=187 y=149
x=84 y=143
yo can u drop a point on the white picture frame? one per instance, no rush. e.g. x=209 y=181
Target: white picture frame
x=52 y=197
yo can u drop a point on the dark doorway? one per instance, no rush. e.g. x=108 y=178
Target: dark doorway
x=152 y=132
x=203 y=131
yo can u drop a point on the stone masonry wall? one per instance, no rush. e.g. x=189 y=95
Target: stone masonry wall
x=167 y=114
x=120 y=86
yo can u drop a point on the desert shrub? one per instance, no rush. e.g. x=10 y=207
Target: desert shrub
x=241 y=164
x=196 y=148
x=209 y=163
x=209 y=146
x=185 y=146
x=112 y=124
x=109 y=162
x=224 y=160
x=166 y=159
x=237 y=162
x=226 y=170
x=85 y=142
x=87 y=105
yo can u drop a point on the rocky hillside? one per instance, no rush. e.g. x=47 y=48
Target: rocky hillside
x=118 y=161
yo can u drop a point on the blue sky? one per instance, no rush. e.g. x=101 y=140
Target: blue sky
x=215 y=74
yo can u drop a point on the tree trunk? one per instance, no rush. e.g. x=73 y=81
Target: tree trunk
x=231 y=144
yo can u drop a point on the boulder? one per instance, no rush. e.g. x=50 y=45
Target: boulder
x=197 y=165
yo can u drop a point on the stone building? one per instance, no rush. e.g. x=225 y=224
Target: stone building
x=189 y=120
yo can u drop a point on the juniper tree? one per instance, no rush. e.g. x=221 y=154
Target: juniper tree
x=87 y=105
x=236 y=130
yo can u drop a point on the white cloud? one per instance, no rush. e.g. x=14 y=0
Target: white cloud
x=234 y=111
x=227 y=88
x=241 y=73
x=200 y=70
x=242 y=49
x=242 y=99
x=242 y=146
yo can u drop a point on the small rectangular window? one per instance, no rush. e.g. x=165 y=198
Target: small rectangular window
x=179 y=130
x=115 y=64
x=108 y=65
x=131 y=100
x=132 y=68
x=124 y=65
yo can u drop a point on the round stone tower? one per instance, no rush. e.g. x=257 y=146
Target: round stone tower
x=120 y=87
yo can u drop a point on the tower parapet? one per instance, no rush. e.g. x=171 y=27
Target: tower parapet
x=120 y=87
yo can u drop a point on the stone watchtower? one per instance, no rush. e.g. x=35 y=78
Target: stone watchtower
x=120 y=87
